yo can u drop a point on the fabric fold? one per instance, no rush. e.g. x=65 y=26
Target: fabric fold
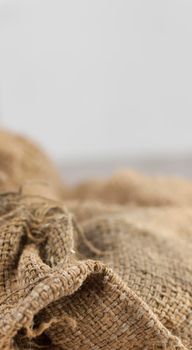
x=104 y=265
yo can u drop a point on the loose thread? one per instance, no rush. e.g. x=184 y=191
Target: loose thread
x=88 y=244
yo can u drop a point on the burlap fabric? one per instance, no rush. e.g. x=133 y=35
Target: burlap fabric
x=105 y=265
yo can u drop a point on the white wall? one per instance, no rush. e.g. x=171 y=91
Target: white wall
x=98 y=78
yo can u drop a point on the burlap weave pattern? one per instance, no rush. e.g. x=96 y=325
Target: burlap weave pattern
x=105 y=265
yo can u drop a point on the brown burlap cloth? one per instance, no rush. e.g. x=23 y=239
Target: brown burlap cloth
x=105 y=265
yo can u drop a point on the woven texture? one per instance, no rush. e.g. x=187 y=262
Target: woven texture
x=105 y=265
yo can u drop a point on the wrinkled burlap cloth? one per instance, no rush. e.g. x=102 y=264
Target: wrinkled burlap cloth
x=105 y=265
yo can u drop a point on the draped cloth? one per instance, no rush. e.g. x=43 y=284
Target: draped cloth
x=102 y=265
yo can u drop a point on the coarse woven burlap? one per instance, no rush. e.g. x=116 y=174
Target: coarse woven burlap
x=104 y=265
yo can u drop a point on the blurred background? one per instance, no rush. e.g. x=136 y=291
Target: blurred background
x=100 y=84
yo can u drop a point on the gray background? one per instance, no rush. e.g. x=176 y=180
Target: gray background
x=99 y=80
